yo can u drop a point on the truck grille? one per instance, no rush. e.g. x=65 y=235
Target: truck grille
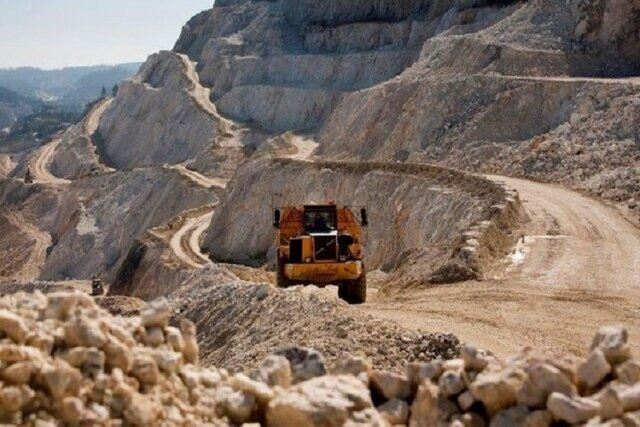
x=325 y=248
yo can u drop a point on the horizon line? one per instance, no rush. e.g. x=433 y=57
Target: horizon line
x=35 y=67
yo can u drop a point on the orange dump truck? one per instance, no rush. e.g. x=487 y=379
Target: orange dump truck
x=322 y=245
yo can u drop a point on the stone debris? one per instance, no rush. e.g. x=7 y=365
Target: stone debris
x=237 y=330
x=594 y=369
x=65 y=359
x=305 y=363
x=613 y=343
x=572 y=410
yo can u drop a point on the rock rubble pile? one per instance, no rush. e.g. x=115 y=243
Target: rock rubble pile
x=239 y=324
x=63 y=358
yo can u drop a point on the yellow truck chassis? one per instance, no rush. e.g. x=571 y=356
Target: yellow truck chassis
x=323 y=273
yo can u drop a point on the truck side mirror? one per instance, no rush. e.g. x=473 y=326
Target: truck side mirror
x=363 y=217
x=276 y=218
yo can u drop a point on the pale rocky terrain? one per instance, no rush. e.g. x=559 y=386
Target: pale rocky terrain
x=98 y=230
x=158 y=95
x=64 y=359
x=167 y=111
x=239 y=325
x=287 y=64
x=6 y=165
x=166 y=190
x=90 y=224
x=165 y=258
x=569 y=121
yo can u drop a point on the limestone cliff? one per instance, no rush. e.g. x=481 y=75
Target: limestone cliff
x=284 y=65
x=518 y=97
x=163 y=115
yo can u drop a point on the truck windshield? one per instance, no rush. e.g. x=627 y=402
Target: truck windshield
x=319 y=221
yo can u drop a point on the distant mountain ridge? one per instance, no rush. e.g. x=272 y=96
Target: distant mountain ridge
x=13 y=106
x=70 y=88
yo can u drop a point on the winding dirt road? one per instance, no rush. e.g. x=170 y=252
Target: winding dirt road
x=185 y=243
x=228 y=131
x=41 y=171
x=577 y=268
x=198 y=178
x=198 y=92
x=92 y=121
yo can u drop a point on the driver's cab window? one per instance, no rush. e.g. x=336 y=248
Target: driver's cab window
x=319 y=221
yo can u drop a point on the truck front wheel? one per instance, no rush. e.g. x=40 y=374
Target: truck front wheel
x=281 y=279
x=354 y=291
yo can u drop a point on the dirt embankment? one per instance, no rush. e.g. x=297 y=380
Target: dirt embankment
x=167 y=90
x=71 y=155
x=465 y=221
x=25 y=250
x=105 y=214
x=6 y=165
x=555 y=102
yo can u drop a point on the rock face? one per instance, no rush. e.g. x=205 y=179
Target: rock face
x=609 y=24
x=31 y=220
x=78 y=154
x=287 y=64
x=450 y=105
x=88 y=228
x=157 y=111
x=426 y=81
x=102 y=370
x=6 y=165
x=167 y=112
x=449 y=203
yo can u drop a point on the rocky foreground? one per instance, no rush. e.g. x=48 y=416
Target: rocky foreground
x=62 y=358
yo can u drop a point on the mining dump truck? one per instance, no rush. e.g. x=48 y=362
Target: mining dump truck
x=322 y=245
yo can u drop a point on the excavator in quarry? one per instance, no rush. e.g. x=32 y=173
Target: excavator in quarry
x=322 y=245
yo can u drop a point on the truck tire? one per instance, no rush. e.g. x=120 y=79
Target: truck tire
x=354 y=291
x=281 y=279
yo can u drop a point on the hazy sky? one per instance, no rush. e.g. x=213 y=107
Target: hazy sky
x=59 y=33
